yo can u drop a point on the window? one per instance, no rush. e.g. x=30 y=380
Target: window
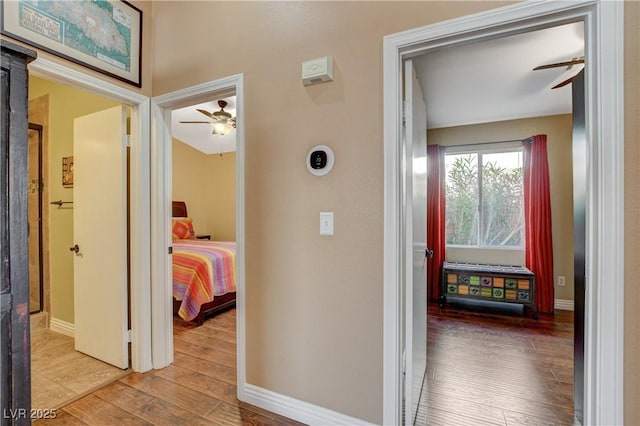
x=484 y=197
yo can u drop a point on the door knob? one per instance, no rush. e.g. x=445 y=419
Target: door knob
x=428 y=253
x=75 y=248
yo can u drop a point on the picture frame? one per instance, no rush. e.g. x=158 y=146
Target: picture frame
x=105 y=36
x=67 y=171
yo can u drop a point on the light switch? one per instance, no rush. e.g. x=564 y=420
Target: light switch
x=326 y=223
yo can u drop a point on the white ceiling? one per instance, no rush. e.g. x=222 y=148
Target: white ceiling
x=494 y=80
x=198 y=135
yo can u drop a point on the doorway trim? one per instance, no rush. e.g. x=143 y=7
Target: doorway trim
x=604 y=325
x=39 y=128
x=139 y=187
x=161 y=169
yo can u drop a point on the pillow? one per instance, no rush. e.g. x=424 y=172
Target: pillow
x=182 y=229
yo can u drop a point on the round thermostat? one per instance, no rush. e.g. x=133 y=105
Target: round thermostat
x=320 y=160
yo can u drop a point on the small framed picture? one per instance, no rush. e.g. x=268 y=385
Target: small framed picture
x=67 y=172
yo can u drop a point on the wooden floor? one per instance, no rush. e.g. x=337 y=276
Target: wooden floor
x=485 y=368
x=60 y=374
x=199 y=388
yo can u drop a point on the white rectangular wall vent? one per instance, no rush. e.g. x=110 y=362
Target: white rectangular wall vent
x=317 y=71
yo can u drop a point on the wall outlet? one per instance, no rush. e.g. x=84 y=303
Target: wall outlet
x=560 y=281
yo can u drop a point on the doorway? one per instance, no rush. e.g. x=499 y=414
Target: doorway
x=603 y=369
x=38 y=214
x=200 y=156
x=60 y=370
x=162 y=107
x=480 y=149
x=139 y=187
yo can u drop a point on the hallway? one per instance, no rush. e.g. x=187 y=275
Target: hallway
x=199 y=388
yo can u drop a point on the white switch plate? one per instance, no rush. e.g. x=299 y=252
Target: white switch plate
x=560 y=281
x=326 y=223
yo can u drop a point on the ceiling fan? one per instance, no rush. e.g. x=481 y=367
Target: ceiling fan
x=568 y=64
x=221 y=121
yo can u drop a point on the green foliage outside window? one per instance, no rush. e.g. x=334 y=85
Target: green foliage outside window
x=484 y=209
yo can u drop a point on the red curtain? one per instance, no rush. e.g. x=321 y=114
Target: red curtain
x=537 y=218
x=435 y=218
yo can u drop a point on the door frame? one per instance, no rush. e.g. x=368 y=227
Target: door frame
x=140 y=194
x=161 y=190
x=604 y=313
x=40 y=129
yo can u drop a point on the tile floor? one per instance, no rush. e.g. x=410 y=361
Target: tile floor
x=60 y=374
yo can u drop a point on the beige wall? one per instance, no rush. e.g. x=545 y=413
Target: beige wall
x=632 y=213
x=221 y=191
x=207 y=183
x=319 y=337
x=313 y=304
x=558 y=129
x=65 y=104
x=329 y=356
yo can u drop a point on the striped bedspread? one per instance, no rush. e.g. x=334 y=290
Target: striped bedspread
x=202 y=269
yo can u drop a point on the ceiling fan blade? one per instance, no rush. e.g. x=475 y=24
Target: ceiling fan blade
x=564 y=83
x=559 y=64
x=207 y=113
x=204 y=122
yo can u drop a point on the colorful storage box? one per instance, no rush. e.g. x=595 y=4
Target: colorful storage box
x=498 y=283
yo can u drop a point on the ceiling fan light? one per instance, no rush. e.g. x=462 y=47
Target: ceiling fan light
x=220 y=128
x=222 y=115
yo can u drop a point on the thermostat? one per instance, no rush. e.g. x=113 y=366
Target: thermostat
x=320 y=160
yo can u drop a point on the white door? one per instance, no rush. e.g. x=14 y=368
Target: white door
x=100 y=235
x=415 y=194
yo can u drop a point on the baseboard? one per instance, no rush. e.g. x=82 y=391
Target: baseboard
x=295 y=409
x=563 y=304
x=62 y=327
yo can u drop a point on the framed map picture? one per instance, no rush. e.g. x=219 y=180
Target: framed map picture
x=104 y=35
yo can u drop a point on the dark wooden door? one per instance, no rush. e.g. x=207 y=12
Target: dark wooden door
x=15 y=388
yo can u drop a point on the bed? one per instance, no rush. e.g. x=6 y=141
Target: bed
x=204 y=271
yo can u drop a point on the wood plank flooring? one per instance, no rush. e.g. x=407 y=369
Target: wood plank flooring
x=487 y=368
x=484 y=368
x=199 y=388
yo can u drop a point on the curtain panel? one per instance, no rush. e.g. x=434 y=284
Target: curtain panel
x=435 y=218
x=537 y=218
